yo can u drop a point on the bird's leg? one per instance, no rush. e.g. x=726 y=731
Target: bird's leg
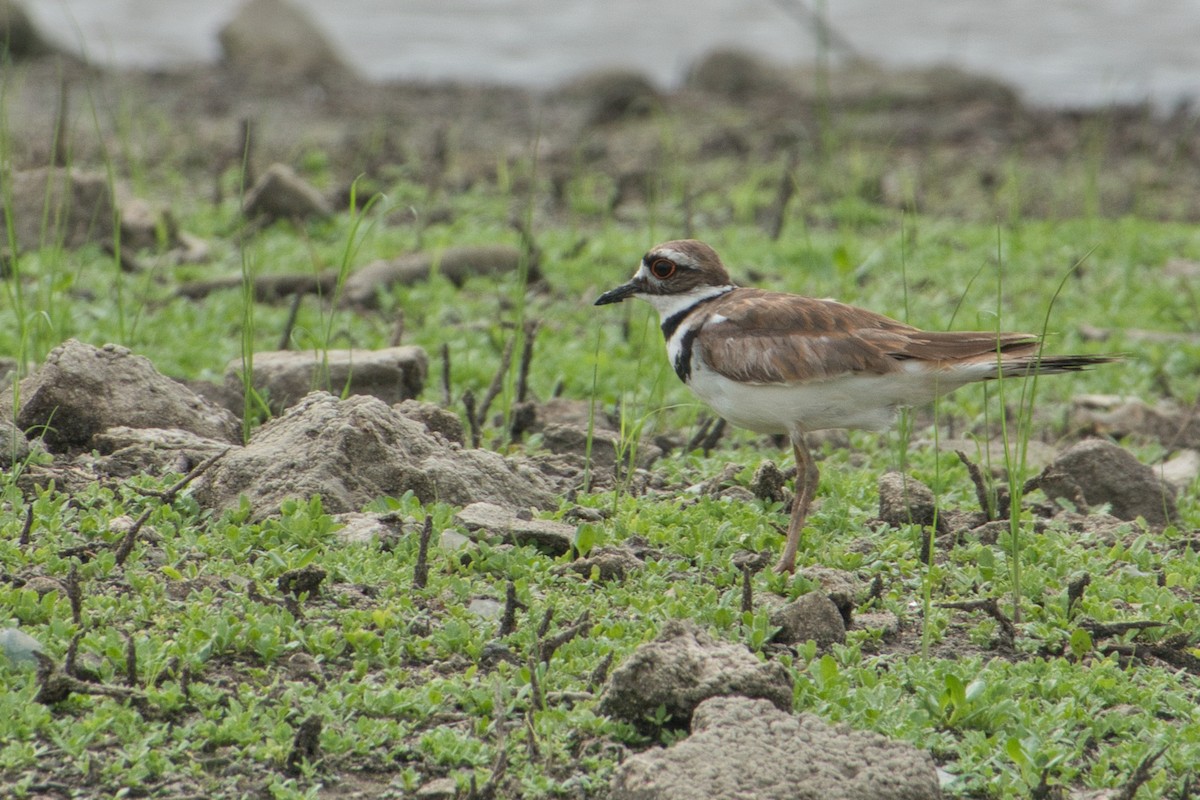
x=807 y=477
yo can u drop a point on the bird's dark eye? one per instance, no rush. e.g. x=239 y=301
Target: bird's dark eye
x=662 y=268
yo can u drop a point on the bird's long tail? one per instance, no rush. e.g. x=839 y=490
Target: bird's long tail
x=1049 y=365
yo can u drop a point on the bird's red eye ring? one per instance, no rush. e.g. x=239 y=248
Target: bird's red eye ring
x=662 y=268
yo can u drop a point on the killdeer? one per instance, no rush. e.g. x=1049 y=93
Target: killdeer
x=786 y=364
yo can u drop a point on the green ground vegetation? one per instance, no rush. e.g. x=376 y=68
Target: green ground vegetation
x=221 y=673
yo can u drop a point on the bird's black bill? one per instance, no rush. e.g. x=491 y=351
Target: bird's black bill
x=616 y=295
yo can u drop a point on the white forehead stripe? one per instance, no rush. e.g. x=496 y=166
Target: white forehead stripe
x=675 y=255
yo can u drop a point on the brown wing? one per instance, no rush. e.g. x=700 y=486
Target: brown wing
x=771 y=337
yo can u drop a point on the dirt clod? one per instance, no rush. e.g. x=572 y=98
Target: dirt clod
x=738 y=742
x=685 y=666
x=353 y=451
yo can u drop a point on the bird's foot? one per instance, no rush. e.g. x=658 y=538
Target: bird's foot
x=785 y=565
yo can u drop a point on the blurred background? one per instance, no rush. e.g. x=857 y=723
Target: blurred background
x=1063 y=53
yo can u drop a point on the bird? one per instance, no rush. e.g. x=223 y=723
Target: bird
x=782 y=363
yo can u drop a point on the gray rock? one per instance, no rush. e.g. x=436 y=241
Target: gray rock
x=282 y=194
x=1181 y=469
x=735 y=74
x=370 y=527
x=682 y=668
x=904 y=500
x=83 y=390
x=810 y=616
x=438 y=789
x=452 y=541
x=1099 y=472
x=19 y=647
x=356 y=450
x=836 y=582
x=392 y=374
x=14 y=447
x=273 y=43
x=486 y=608
x=744 y=748
x=547 y=535
x=884 y=621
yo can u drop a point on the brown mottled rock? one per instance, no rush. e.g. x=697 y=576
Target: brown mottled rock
x=682 y=668
x=812 y=616
x=83 y=390
x=353 y=451
x=744 y=748
x=392 y=374
x=282 y=194
x=1099 y=472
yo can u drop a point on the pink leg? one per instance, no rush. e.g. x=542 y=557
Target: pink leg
x=807 y=477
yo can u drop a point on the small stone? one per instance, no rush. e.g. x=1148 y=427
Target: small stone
x=904 y=500
x=486 y=608
x=438 y=789
x=609 y=564
x=885 y=621
x=1181 y=470
x=811 y=616
x=549 y=536
x=1102 y=473
x=451 y=541
x=19 y=647
x=282 y=194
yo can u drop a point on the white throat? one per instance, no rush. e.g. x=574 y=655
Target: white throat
x=668 y=305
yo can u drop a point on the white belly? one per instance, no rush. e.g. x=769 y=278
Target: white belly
x=852 y=401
